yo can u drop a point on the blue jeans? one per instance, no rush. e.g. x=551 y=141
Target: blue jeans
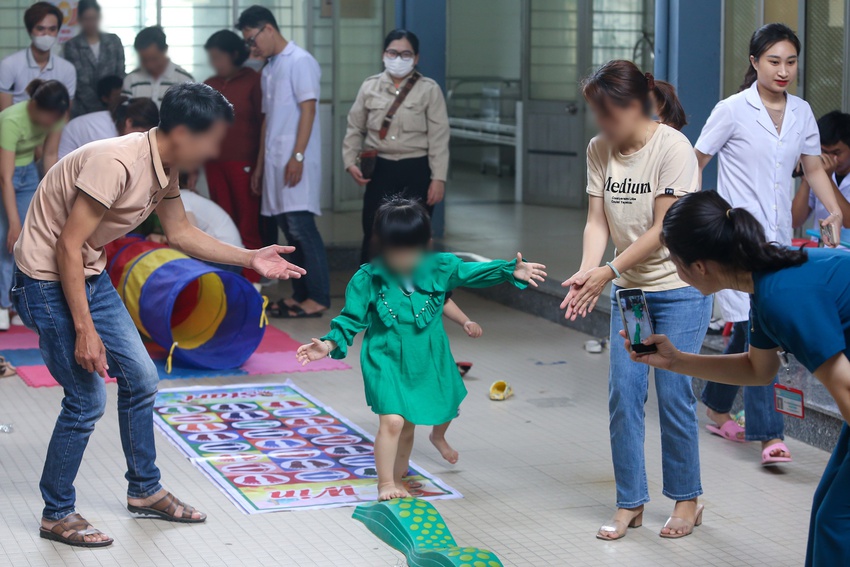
x=681 y=314
x=300 y=230
x=42 y=307
x=763 y=421
x=828 y=542
x=25 y=181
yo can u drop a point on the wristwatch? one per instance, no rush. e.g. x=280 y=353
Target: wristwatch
x=299 y=157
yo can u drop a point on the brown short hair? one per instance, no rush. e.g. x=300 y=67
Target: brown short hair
x=38 y=12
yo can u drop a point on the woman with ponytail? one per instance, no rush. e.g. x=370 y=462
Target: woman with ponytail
x=636 y=169
x=800 y=303
x=26 y=127
x=759 y=136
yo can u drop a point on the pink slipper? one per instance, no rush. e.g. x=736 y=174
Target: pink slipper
x=767 y=459
x=728 y=431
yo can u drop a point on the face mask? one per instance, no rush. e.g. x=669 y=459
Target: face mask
x=398 y=67
x=44 y=42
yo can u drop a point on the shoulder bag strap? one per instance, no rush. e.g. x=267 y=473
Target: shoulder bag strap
x=399 y=98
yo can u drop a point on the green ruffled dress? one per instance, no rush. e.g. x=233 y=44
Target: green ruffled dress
x=408 y=368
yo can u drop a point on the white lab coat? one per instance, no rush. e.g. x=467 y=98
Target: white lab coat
x=755 y=165
x=290 y=78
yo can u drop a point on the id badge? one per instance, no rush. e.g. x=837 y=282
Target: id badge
x=789 y=401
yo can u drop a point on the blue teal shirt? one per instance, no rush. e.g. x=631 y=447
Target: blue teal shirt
x=804 y=310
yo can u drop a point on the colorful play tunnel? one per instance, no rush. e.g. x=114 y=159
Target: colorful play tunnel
x=205 y=317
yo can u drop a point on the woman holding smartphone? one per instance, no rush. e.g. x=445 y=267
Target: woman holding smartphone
x=759 y=135
x=716 y=247
x=636 y=169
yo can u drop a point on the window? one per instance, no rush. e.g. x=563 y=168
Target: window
x=824 y=55
x=623 y=29
x=554 y=49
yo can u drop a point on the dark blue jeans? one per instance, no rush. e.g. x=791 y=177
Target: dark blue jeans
x=25 y=182
x=829 y=545
x=300 y=230
x=763 y=421
x=42 y=307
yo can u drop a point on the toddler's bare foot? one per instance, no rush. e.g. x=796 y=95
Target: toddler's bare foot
x=444 y=448
x=389 y=491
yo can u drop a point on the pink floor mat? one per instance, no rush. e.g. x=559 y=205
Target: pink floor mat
x=275 y=355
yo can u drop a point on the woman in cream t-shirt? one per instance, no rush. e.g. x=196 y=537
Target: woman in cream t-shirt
x=636 y=169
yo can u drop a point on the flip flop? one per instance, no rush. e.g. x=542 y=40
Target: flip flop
x=767 y=459
x=500 y=391
x=463 y=367
x=728 y=431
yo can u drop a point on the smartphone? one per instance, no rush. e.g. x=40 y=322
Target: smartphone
x=636 y=321
x=827 y=237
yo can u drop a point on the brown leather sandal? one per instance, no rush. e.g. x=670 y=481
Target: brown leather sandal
x=6 y=369
x=80 y=528
x=166 y=509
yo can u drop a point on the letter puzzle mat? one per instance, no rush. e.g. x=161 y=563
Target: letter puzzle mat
x=272 y=447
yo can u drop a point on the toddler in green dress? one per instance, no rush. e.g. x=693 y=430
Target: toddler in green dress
x=409 y=374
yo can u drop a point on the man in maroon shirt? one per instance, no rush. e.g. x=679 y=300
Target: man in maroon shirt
x=229 y=177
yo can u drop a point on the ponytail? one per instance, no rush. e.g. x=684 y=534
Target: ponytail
x=667 y=104
x=749 y=78
x=703 y=226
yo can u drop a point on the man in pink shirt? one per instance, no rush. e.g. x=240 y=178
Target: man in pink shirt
x=90 y=197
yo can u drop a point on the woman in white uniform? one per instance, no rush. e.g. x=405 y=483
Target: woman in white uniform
x=759 y=135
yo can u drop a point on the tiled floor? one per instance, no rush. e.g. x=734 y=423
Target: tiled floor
x=535 y=472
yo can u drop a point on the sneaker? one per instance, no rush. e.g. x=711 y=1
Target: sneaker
x=17 y=321
x=4 y=319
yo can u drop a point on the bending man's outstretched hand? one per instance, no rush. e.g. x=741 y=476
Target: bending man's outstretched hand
x=664 y=358
x=268 y=263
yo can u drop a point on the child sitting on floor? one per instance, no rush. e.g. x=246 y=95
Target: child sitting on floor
x=397 y=299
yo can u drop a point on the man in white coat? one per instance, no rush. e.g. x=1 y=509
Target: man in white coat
x=289 y=167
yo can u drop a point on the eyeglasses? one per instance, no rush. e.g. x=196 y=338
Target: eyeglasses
x=405 y=55
x=252 y=41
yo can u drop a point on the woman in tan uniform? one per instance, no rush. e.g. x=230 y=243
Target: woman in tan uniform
x=411 y=137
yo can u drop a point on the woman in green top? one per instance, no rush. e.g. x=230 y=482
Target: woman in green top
x=409 y=373
x=25 y=128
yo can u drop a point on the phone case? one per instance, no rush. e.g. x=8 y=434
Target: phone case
x=640 y=347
